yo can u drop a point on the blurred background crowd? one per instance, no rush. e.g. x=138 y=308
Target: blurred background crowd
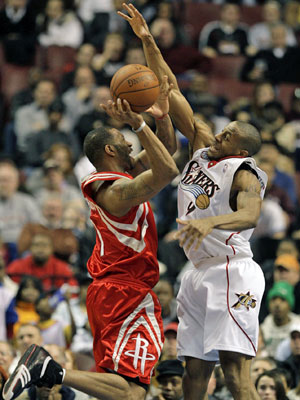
x=233 y=61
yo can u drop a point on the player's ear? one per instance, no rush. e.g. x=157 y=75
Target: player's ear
x=244 y=153
x=110 y=150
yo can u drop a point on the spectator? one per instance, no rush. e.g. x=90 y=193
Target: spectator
x=7 y=355
x=275 y=64
x=179 y=57
x=269 y=385
x=25 y=96
x=169 y=377
x=53 y=331
x=8 y=315
x=18 y=32
x=165 y=293
x=30 y=289
x=78 y=99
x=54 y=183
x=84 y=57
x=135 y=55
x=292 y=363
x=260 y=365
x=88 y=8
x=169 y=351
x=40 y=142
x=96 y=117
x=41 y=263
x=16 y=208
x=5 y=280
x=110 y=60
x=277 y=324
x=227 y=36
x=59 y=27
x=33 y=117
x=260 y=33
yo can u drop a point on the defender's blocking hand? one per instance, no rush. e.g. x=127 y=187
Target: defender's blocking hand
x=136 y=20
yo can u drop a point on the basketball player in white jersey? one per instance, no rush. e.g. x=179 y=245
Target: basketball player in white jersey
x=219 y=201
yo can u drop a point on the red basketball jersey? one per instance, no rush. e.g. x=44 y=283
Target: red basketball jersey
x=125 y=247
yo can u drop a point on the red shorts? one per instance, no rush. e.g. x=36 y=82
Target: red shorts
x=127 y=327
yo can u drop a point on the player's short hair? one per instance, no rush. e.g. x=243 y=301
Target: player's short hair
x=250 y=137
x=95 y=142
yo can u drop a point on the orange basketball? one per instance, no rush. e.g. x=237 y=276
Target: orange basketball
x=137 y=84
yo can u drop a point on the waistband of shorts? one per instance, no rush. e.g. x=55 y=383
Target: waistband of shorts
x=120 y=280
x=221 y=259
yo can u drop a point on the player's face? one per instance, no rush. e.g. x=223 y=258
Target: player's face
x=123 y=149
x=227 y=143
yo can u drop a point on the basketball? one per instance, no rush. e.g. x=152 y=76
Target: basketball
x=202 y=201
x=137 y=84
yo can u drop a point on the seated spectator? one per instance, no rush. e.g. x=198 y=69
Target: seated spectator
x=59 y=27
x=5 y=280
x=276 y=193
x=53 y=331
x=84 y=57
x=18 y=32
x=269 y=384
x=228 y=36
x=276 y=64
x=33 y=117
x=26 y=96
x=78 y=99
x=7 y=354
x=263 y=93
x=165 y=293
x=283 y=168
x=8 y=315
x=41 y=263
x=180 y=57
x=88 y=8
x=260 y=365
x=135 y=55
x=54 y=183
x=169 y=377
x=26 y=335
x=277 y=324
x=30 y=289
x=111 y=58
x=260 y=33
x=169 y=351
x=38 y=143
x=76 y=307
x=96 y=117
x=16 y=208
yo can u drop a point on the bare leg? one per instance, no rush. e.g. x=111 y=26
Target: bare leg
x=196 y=377
x=236 y=368
x=104 y=386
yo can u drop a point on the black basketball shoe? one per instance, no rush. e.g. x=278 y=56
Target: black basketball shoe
x=36 y=367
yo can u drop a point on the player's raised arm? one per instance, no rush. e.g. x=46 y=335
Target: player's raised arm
x=123 y=194
x=180 y=110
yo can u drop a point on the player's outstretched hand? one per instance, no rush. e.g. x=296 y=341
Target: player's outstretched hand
x=136 y=20
x=121 y=111
x=193 y=232
x=161 y=106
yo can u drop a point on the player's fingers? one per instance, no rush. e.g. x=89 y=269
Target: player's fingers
x=181 y=221
x=119 y=105
x=126 y=106
x=124 y=16
x=192 y=238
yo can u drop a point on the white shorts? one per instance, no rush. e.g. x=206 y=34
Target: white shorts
x=217 y=306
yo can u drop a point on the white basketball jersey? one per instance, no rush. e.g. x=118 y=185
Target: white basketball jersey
x=204 y=191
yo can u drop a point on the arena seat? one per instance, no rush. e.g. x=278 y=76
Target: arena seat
x=226 y=66
x=230 y=88
x=285 y=91
x=195 y=15
x=13 y=79
x=54 y=58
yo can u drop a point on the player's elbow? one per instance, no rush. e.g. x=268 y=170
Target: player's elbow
x=170 y=172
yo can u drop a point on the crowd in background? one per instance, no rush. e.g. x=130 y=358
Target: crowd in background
x=234 y=61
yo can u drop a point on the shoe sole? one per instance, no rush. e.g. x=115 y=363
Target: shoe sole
x=21 y=376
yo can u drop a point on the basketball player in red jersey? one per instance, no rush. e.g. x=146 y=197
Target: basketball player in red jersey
x=124 y=312
x=219 y=200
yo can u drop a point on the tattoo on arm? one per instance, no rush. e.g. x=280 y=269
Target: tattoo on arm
x=134 y=191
